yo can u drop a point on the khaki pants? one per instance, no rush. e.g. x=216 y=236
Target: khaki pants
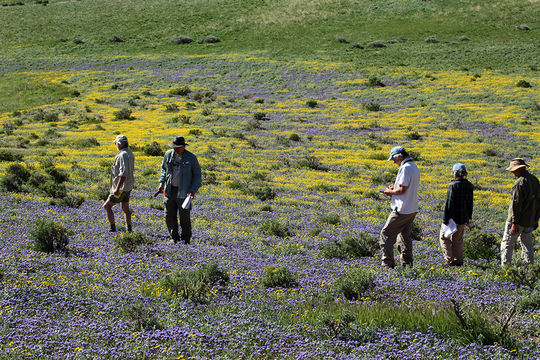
x=509 y=241
x=452 y=247
x=397 y=227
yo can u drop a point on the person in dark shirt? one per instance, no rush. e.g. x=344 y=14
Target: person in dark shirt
x=459 y=208
x=523 y=214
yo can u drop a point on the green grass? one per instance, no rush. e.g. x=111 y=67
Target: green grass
x=19 y=92
x=282 y=28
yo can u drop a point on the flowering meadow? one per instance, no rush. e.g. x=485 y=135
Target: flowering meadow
x=313 y=138
x=292 y=108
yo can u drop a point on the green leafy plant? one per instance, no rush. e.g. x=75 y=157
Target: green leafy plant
x=355 y=284
x=279 y=276
x=49 y=236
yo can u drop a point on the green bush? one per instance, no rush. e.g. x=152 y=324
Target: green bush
x=73 y=201
x=186 y=120
x=530 y=302
x=275 y=228
x=153 y=149
x=414 y=135
x=278 y=277
x=171 y=108
x=337 y=325
x=352 y=247
x=180 y=40
x=195 y=284
x=384 y=176
x=49 y=236
x=312 y=103
x=6 y=155
x=180 y=91
x=54 y=189
x=330 y=219
x=355 y=284
x=372 y=106
x=374 y=81
x=480 y=245
x=86 y=143
x=210 y=39
x=264 y=193
x=123 y=114
x=129 y=242
x=142 y=316
x=523 y=84
x=15 y=178
x=259 y=116
x=312 y=162
x=524 y=275
x=294 y=137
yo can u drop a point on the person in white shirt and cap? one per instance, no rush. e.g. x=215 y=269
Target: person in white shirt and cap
x=404 y=193
x=122 y=181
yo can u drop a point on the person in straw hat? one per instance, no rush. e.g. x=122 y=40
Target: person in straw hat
x=523 y=213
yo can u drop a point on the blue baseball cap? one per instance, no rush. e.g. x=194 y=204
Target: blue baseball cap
x=396 y=150
x=458 y=167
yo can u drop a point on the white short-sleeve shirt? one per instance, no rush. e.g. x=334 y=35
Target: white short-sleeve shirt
x=408 y=175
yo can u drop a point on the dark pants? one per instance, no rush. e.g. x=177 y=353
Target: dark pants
x=173 y=206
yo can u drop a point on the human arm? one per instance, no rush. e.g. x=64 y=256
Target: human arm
x=395 y=190
x=196 y=177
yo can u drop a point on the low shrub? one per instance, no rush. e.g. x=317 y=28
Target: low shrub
x=384 y=176
x=312 y=162
x=338 y=325
x=153 y=149
x=115 y=39
x=523 y=27
x=180 y=91
x=15 y=178
x=530 y=302
x=49 y=236
x=210 y=39
x=372 y=106
x=413 y=135
x=342 y=40
x=206 y=112
x=523 y=84
x=86 y=143
x=480 y=245
x=325 y=188
x=123 y=114
x=259 y=116
x=129 y=242
x=186 y=120
x=294 y=137
x=180 y=40
x=312 y=103
x=376 y=44
x=275 y=228
x=171 y=108
x=195 y=132
x=363 y=245
x=374 y=81
x=524 y=275
x=6 y=155
x=264 y=193
x=73 y=201
x=431 y=39
x=279 y=276
x=142 y=316
x=355 y=284
x=195 y=284
x=330 y=219
x=54 y=189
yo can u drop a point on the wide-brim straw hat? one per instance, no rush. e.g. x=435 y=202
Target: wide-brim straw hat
x=516 y=164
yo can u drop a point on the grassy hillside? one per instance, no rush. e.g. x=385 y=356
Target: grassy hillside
x=282 y=28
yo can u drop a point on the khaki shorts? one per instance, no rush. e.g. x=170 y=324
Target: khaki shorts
x=122 y=197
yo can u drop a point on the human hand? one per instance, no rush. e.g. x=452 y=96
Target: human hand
x=514 y=230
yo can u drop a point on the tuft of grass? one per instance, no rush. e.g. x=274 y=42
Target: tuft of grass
x=279 y=276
